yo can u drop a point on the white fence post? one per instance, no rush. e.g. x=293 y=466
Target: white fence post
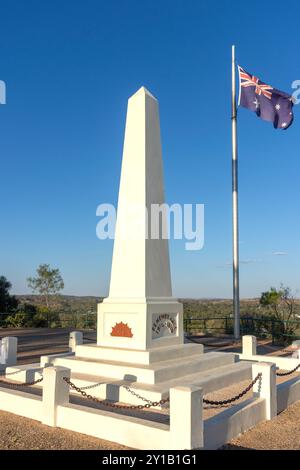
x=55 y=392
x=186 y=422
x=2 y=366
x=76 y=338
x=266 y=386
x=249 y=346
x=8 y=351
x=296 y=352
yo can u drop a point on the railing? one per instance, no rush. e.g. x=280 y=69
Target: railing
x=3 y=317
x=81 y=320
x=258 y=326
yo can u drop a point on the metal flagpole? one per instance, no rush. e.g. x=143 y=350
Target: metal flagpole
x=235 y=220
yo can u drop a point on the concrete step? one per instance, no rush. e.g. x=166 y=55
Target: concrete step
x=112 y=388
x=93 y=351
x=150 y=374
x=210 y=381
x=215 y=379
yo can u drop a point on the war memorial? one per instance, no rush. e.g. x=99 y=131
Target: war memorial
x=141 y=384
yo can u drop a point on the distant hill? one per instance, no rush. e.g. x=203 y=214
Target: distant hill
x=205 y=306
x=64 y=303
x=192 y=307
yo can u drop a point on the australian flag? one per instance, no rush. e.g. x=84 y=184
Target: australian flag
x=268 y=103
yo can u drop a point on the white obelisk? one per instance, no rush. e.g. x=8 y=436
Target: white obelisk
x=140 y=312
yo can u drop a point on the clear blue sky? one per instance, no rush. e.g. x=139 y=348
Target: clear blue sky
x=70 y=67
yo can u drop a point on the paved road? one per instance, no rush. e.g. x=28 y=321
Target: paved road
x=34 y=342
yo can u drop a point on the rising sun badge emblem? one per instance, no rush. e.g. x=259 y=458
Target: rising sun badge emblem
x=121 y=329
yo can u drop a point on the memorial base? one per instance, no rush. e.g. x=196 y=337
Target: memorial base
x=140 y=324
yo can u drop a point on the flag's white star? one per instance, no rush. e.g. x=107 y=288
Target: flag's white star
x=277 y=106
x=256 y=103
x=283 y=124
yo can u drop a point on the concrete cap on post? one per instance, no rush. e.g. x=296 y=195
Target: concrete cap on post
x=9 y=349
x=266 y=387
x=186 y=422
x=55 y=392
x=249 y=345
x=76 y=338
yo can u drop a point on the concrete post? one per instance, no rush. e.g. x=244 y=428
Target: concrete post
x=186 y=422
x=55 y=392
x=76 y=338
x=249 y=345
x=266 y=386
x=296 y=354
x=2 y=366
x=9 y=348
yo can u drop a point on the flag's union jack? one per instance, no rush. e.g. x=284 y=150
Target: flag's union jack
x=267 y=102
x=250 y=80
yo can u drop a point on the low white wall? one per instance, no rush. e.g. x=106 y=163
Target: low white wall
x=50 y=358
x=287 y=393
x=21 y=403
x=187 y=429
x=285 y=363
x=129 y=431
x=249 y=354
x=231 y=422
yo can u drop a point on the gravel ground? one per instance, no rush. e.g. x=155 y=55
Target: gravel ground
x=18 y=433
x=281 y=433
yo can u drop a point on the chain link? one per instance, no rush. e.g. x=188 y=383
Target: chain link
x=10 y=373
x=150 y=403
x=114 y=405
x=136 y=394
x=128 y=389
x=88 y=387
x=236 y=397
x=23 y=384
x=283 y=374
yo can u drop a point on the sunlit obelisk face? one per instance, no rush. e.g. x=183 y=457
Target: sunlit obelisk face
x=140 y=312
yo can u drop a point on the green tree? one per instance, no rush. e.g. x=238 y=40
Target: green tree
x=282 y=304
x=7 y=302
x=47 y=283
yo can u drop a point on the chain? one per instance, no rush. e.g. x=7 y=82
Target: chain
x=236 y=397
x=150 y=403
x=113 y=405
x=11 y=373
x=136 y=394
x=88 y=387
x=24 y=384
x=129 y=390
x=282 y=374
